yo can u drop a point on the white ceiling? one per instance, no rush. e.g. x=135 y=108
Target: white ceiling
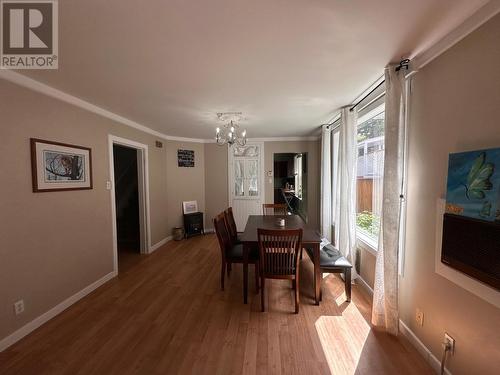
x=288 y=65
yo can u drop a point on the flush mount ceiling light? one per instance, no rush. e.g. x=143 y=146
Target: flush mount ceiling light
x=230 y=132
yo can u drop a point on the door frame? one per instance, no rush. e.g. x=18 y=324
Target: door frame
x=143 y=186
x=230 y=173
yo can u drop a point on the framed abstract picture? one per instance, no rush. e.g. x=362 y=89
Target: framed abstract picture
x=59 y=166
x=473 y=188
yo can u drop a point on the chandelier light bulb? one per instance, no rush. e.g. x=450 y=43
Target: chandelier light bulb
x=230 y=133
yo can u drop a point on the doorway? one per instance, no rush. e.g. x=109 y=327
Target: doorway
x=290 y=182
x=128 y=233
x=246 y=183
x=129 y=201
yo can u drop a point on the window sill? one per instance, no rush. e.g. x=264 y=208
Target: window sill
x=366 y=243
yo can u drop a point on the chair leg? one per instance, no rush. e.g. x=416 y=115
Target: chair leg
x=347 y=277
x=229 y=269
x=222 y=272
x=262 y=291
x=257 y=275
x=294 y=284
x=297 y=297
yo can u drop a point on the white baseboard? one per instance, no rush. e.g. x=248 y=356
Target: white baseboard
x=159 y=244
x=365 y=285
x=422 y=349
x=209 y=230
x=56 y=310
x=412 y=338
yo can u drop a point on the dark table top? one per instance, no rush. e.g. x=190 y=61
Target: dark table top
x=309 y=235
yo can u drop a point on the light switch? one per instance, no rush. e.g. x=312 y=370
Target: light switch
x=108 y=185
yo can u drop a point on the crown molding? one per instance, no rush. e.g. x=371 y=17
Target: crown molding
x=32 y=84
x=470 y=24
x=476 y=20
x=284 y=139
x=45 y=89
x=276 y=139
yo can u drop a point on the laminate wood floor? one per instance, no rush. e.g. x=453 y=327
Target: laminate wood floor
x=166 y=315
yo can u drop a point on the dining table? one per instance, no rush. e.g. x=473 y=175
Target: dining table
x=310 y=238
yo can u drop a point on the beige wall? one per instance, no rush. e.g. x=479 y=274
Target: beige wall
x=455 y=106
x=216 y=185
x=313 y=177
x=55 y=244
x=184 y=184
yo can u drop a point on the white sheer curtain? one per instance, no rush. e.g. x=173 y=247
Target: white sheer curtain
x=326 y=183
x=385 y=311
x=345 y=212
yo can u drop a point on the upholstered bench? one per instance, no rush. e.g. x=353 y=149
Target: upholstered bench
x=332 y=261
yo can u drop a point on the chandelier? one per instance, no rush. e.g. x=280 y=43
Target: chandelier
x=230 y=133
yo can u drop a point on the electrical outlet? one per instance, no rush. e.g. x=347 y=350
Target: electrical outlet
x=450 y=340
x=419 y=317
x=19 y=307
x=108 y=185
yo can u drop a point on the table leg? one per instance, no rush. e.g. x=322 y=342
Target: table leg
x=317 y=273
x=246 y=248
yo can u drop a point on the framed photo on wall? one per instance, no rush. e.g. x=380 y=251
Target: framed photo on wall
x=59 y=166
x=190 y=207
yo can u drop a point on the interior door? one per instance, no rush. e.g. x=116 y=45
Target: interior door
x=246 y=187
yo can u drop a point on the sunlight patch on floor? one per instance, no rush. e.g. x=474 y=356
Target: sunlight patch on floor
x=342 y=338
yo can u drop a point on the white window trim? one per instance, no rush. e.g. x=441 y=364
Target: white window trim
x=374 y=112
x=364 y=241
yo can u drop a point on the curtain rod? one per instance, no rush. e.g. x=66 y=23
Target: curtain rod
x=402 y=64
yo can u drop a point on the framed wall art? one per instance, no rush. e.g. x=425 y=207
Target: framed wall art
x=59 y=166
x=189 y=207
x=185 y=158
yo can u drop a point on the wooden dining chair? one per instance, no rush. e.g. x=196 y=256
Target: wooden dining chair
x=232 y=252
x=274 y=209
x=279 y=258
x=231 y=225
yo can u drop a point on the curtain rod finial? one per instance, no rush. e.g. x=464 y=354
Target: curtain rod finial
x=404 y=63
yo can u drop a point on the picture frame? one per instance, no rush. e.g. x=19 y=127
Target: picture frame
x=189 y=207
x=57 y=166
x=185 y=158
x=473 y=185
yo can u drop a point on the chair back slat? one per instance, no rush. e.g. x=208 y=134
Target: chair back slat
x=279 y=251
x=274 y=209
x=231 y=224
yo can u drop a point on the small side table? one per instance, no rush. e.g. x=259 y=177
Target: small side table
x=193 y=224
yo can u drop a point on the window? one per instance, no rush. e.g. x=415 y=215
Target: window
x=298 y=176
x=246 y=171
x=370 y=165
